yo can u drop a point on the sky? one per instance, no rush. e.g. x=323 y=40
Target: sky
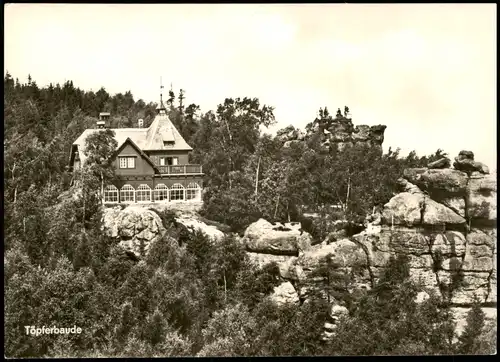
x=426 y=71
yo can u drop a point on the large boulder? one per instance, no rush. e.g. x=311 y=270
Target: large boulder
x=445 y=186
x=285 y=263
x=441 y=163
x=406 y=186
x=135 y=227
x=279 y=239
x=285 y=294
x=343 y=253
x=442 y=182
x=409 y=209
x=412 y=174
x=190 y=221
x=465 y=162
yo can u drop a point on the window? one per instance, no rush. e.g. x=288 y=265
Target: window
x=164 y=161
x=127 y=162
x=176 y=192
x=160 y=193
x=127 y=194
x=110 y=194
x=193 y=191
x=143 y=193
x=168 y=144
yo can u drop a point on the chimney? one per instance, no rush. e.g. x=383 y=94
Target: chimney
x=140 y=123
x=103 y=119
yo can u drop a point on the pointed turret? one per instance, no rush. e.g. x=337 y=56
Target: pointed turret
x=160 y=109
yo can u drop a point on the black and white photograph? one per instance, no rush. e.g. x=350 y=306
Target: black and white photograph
x=249 y=180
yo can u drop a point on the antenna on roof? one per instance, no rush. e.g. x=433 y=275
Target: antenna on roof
x=161 y=106
x=161 y=92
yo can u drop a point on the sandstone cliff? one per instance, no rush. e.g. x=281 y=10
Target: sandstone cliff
x=443 y=219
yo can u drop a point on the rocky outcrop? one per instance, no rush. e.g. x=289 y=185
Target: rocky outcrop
x=465 y=162
x=441 y=163
x=278 y=239
x=284 y=293
x=191 y=222
x=443 y=219
x=135 y=228
x=409 y=209
x=338 y=132
x=290 y=133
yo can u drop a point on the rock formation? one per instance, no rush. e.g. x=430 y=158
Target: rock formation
x=276 y=239
x=336 y=132
x=191 y=221
x=135 y=227
x=284 y=294
x=445 y=240
x=465 y=162
x=441 y=163
x=443 y=219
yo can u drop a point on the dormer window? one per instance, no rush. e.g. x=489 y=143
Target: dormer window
x=168 y=144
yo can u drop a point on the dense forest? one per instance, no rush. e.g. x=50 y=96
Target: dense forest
x=201 y=298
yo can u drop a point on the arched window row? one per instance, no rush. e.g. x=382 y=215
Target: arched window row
x=144 y=193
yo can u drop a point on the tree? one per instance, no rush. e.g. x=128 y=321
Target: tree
x=227 y=333
x=181 y=100
x=136 y=290
x=98 y=168
x=468 y=340
x=155 y=328
x=83 y=253
x=171 y=97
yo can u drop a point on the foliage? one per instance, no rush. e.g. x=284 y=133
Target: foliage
x=469 y=339
x=192 y=295
x=388 y=320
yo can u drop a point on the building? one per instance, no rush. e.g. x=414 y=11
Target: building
x=152 y=164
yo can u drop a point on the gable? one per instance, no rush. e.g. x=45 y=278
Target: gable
x=129 y=148
x=142 y=163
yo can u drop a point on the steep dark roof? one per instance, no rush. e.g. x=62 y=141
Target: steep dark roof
x=151 y=138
